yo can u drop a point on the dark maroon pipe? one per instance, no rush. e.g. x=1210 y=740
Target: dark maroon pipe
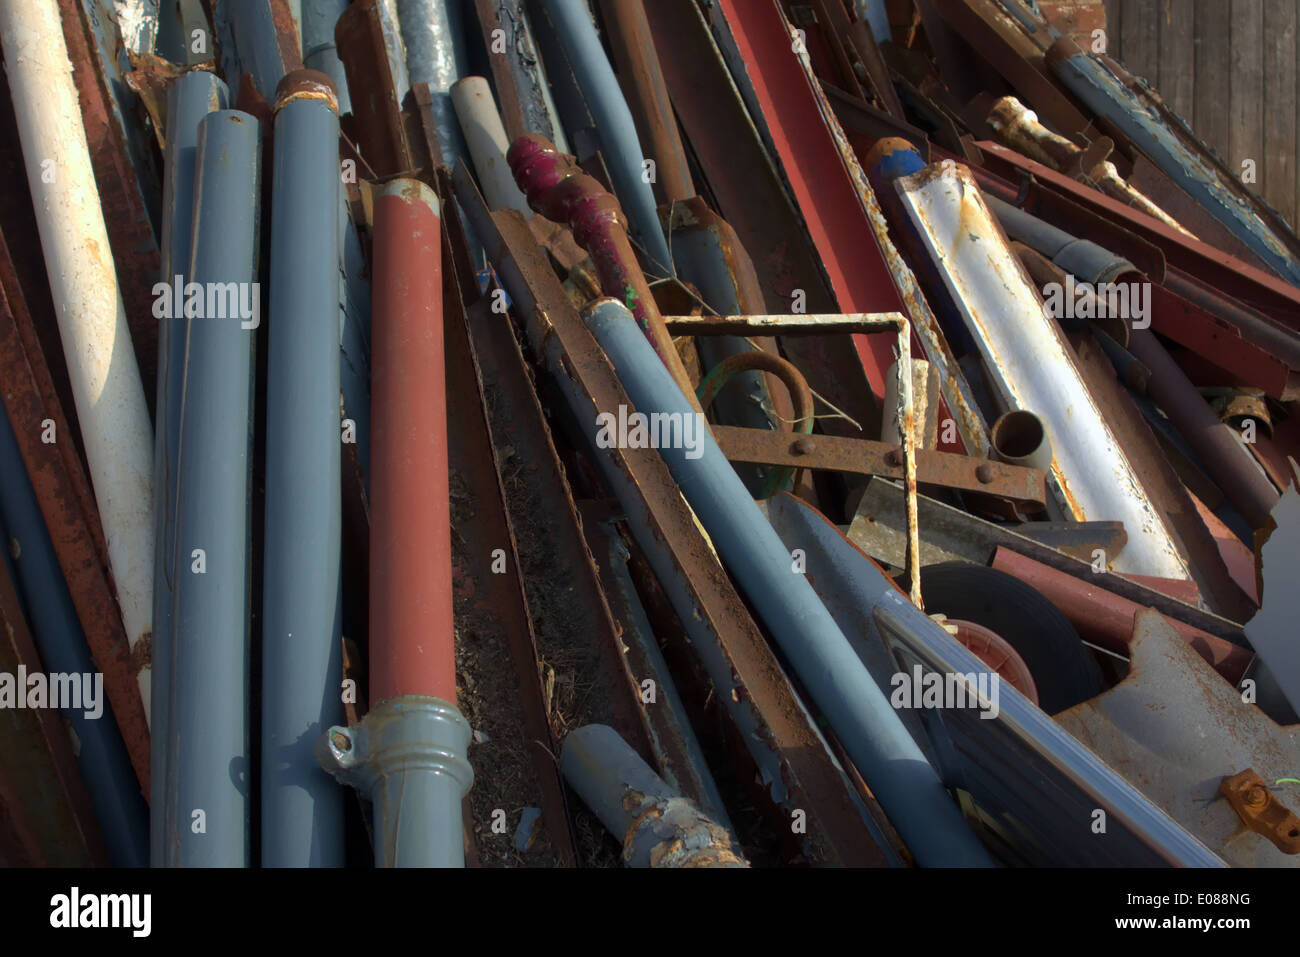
x=411 y=638
x=1106 y=619
x=557 y=188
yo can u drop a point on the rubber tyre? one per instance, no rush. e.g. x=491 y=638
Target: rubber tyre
x=1064 y=671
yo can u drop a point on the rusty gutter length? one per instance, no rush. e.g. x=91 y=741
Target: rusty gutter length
x=209 y=683
x=842 y=211
x=301 y=807
x=408 y=753
x=619 y=145
x=676 y=749
x=891 y=763
x=788 y=755
x=1029 y=362
x=101 y=757
x=106 y=383
x=655 y=824
x=191 y=97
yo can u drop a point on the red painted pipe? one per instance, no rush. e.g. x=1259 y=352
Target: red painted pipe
x=1106 y=620
x=557 y=188
x=411 y=638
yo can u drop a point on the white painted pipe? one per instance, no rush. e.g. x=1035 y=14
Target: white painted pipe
x=106 y=382
x=486 y=138
x=1030 y=366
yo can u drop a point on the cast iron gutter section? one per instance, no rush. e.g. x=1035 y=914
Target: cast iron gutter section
x=106 y=382
x=655 y=824
x=191 y=97
x=1093 y=82
x=302 y=808
x=784 y=755
x=1223 y=456
x=408 y=753
x=559 y=190
x=1028 y=359
x=619 y=145
x=208 y=806
x=892 y=764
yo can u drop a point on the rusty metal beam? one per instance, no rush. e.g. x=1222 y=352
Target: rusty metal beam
x=863 y=457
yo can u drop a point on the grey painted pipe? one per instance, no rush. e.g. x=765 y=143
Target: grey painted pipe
x=302 y=807
x=1106 y=95
x=620 y=147
x=208 y=816
x=435 y=54
x=655 y=824
x=892 y=764
x=56 y=630
x=1082 y=258
x=319 y=52
x=190 y=97
x=408 y=757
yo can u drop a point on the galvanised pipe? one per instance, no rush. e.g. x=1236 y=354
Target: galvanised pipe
x=870 y=730
x=208 y=794
x=319 y=51
x=408 y=753
x=101 y=756
x=302 y=660
x=485 y=135
x=559 y=190
x=656 y=825
x=190 y=97
x=1105 y=94
x=1224 y=457
x=432 y=32
x=106 y=385
x=614 y=126
x=1029 y=363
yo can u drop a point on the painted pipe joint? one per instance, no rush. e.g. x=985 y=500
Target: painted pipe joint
x=408 y=757
x=408 y=733
x=306 y=85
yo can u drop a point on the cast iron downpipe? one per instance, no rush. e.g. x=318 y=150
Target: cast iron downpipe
x=302 y=807
x=56 y=630
x=319 y=51
x=208 y=795
x=889 y=760
x=655 y=824
x=559 y=190
x=408 y=754
x=190 y=97
x=620 y=147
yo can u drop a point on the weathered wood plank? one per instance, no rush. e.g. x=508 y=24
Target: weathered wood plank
x=1177 y=19
x=1139 y=48
x=1211 y=117
x=1246 y=92
x=1277 y=181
